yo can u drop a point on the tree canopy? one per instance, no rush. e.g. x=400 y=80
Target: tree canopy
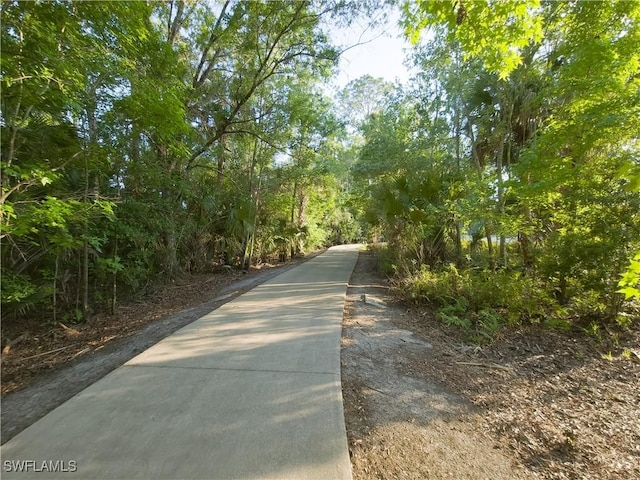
x=141 y=141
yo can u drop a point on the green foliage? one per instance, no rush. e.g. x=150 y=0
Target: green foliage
x=495 y=30
x=140 y=141
x=454 y=314
x=16 y=288
x=475 y=294
x=483 y=302
x=630 y=282
x=505 y=179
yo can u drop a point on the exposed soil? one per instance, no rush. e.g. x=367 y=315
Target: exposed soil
x=45 y=365
x=420 y=403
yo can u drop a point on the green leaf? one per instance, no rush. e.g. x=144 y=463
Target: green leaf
x=630 y=292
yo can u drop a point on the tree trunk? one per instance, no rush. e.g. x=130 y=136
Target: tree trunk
x=501 y=201
x=255 y=215
x=293 y=201
x=477 y=161
x=78 y=289
x=114 y=286
x=221 y=153
x=54 y=299
x=85 y=280
x=93 y=142
x=458 y=242
x=302 y=218
x=84 y=286
x=171 y=258
x=487 y=231
x=247 y=251
x=525 y=241
x=525 y=250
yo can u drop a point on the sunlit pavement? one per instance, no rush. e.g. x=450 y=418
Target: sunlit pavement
x=251 y=390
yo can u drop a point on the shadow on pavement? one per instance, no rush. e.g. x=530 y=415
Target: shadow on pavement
x=250 y=390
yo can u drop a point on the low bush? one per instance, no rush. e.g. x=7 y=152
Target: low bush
x=482 y=302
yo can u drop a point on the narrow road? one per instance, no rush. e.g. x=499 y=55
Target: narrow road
x=249 y=391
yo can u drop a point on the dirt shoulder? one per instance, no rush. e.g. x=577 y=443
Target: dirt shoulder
x=50 y=365
x=420 y=403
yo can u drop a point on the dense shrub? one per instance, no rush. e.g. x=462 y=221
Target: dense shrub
x=484 y=301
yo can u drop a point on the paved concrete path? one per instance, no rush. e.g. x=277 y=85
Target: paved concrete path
x=251 y=390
